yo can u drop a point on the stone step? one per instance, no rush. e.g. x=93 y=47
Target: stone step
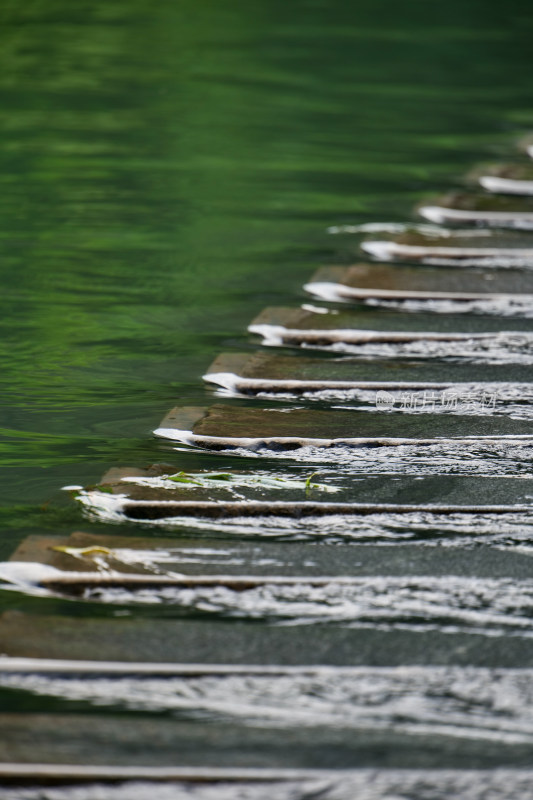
x=456 y=290
x=454 y=248
x=502 y=555
x=356 y=699
x=205 y=640
x=225 y=426
x=382 y=505
x=512 y=178
x=147 y=510
x=262 y=374
x=483 y=210
x=382 y=318
x=204 y=783
x=458 y=556
x=128 y=739
x=475 y=606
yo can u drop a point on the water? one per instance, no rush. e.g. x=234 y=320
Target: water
x=168 y=170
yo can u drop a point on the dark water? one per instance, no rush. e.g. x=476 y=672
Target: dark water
x=169 y=169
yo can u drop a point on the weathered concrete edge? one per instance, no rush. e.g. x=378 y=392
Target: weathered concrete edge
x=171 y=428
x=77 y=582
x=390 y=250
x=441 y=215
x=50 y=666
x=240 y=385
x=79 y=773
x=497 y=185
x=278 y=335
x=342 y=293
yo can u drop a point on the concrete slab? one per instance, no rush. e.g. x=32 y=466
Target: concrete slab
x=214 y=642
x=454 y=248
x=385 y=282
x=511 y=178
x=262 y=374
x=220 y=426
x=482 y=210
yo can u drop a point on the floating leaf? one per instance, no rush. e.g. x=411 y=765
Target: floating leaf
x=207 y=479
x=81 y=552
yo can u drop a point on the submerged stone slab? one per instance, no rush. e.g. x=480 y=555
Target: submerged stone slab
x=279 y=325
x=308 y=699
x=260 y=374
x=454 y=248
x=501 y=556
x=389 y=340
x=474 y=606
x=162 y=509
x=380 y=319
x=206 y=641
x=221 y=426
x=384 y=282
x=516 y=179
x=157 y=741
x=391 y=498
x=83 y=584
x=122 y=783
x=278 y=334
x=484 y=210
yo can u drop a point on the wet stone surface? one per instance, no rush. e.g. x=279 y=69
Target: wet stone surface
x=222 y=420
x=368 y=319
x=416 y=371
x=429 y=279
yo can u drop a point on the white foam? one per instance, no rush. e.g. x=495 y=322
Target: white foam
x=498 y=257
x=506 y=185
x=455 y=702
x=507 y=219
x=504 y=305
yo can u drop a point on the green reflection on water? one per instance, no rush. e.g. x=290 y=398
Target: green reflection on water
x=168 y=169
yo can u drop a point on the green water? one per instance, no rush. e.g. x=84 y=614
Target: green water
x=168 y=169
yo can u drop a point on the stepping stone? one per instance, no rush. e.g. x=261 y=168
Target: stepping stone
x=127 y=740
x=223 y=426
x=276 y=508
x=471 y=338
x=153 y=740
x=505 y=178
x=365 y=325
x=360 y=699
x=209 y=641
x=383 y=282
x=480 y=606
x=122 y=783
x=500 y=557
x=77 y=583
x=166 y=510
x=454 y=248
x=414 y=387
x=491 y=211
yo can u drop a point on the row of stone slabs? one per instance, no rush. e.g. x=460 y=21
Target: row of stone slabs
x=500 y=574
